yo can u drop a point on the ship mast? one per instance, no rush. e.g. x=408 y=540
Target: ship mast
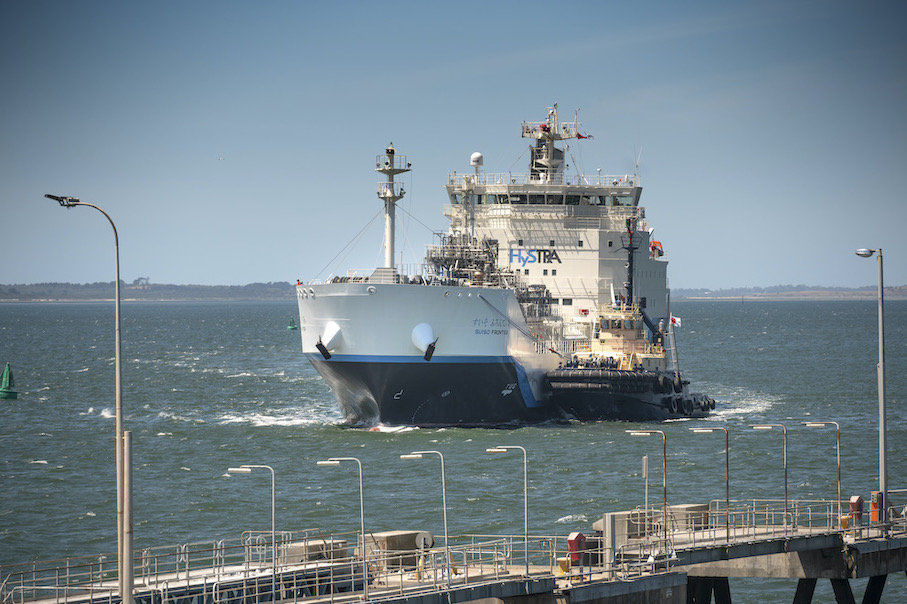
x=547 y=161
x=390 y=164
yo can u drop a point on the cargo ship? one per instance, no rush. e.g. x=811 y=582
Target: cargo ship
x=545 y=300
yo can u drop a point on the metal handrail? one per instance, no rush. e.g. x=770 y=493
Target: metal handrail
x=235 y=573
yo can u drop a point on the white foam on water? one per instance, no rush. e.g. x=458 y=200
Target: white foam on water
x=572 y=518
x=298 y=417
x=392 y=429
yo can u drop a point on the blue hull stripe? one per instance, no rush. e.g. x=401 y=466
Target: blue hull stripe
x=439 y=359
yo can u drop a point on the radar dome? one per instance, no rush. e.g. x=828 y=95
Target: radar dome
x=476 y=159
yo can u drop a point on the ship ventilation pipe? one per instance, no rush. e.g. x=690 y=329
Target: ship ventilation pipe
x=330 y=340
x=424 y=339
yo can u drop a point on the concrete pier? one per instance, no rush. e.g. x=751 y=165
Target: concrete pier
x=687 y=554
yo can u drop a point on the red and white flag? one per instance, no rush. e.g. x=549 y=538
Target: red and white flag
x=675 y=321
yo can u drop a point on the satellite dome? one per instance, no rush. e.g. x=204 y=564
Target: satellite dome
x=476 y=159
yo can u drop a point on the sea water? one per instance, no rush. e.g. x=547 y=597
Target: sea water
x=212 y=385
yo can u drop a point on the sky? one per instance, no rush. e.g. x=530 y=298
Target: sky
x=233 y=142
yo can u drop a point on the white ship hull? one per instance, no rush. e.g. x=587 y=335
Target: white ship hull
x=483 y=370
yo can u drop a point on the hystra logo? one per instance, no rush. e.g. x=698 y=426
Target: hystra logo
x=524 y=257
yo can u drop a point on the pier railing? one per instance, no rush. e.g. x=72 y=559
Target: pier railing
x=311 y=565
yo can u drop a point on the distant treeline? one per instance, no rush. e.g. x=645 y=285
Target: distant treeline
x=142 y=290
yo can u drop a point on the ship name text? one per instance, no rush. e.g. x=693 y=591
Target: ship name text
x=524 y=257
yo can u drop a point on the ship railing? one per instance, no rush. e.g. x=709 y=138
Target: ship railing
x=411 y=274
x=607 y=216
x=517 y=179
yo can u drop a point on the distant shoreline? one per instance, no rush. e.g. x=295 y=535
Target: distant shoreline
x=285 y=291
x=894 y=293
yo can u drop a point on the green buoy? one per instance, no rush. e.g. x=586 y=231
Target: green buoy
x=7 y=384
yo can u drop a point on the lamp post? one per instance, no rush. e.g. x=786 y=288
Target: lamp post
x=247 y=469
x=664 y=474
x=335 y=461
x=784 y=429
x=727 y=476
x=418 y=455
x=837 y=451
x=883 y=462
x=124 y=495
x=503 y=449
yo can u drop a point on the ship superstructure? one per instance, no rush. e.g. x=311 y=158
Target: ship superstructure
x=563 y=240
x=516 y=290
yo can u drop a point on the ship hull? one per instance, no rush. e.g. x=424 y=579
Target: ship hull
x=468 y=392
x=602 y=395
x=482 y=368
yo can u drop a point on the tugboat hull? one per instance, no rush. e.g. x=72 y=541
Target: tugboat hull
x=601 y=394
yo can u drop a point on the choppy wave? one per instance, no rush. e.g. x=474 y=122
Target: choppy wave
x=287 y=418
x=572 y=518
x=180 y=418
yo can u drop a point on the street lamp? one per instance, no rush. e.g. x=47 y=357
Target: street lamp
x=503 y=449
x=418 y=455
x=883 y=462
x=784 y=429
x=335 y=461
x=664 y=474
x=837 y=451
x=124 y=494
x=727 y=476
x=247 y=469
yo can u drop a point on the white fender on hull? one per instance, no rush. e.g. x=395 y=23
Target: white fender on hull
x=424 y=339
x=332 y=336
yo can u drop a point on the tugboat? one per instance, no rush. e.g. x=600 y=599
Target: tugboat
x=513 y=317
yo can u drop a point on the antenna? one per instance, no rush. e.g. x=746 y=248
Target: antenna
x=638 y=154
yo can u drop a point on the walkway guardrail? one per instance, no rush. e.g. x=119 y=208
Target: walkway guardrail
x=310 y=564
